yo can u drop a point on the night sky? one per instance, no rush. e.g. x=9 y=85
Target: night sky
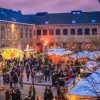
x=51 y=6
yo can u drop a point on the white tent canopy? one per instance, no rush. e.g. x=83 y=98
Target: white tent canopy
x=86 y=54
x=89 y=86
x=90 y=65
x=82 y=54
x=58 y=51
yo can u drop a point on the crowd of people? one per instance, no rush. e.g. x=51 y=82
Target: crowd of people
x=55 y=73
x=15 y=94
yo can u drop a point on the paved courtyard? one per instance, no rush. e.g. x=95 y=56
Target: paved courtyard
x=39 y=91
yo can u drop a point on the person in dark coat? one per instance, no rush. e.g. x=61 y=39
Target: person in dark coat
x=7 y=95
x=18 y=94
x=34 y=93
x=50 y=93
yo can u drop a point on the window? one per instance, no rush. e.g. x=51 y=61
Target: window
x=78 y=12
x=21 y=33
x=2 y=28
x=87 y=31
x=73 y=12
x=26 y=33
x=57 y=31
x=65 y=32
x=30 y=33
x=94 y=31
x=2 y=35
x=51 y=32
x=44 y=32
x=38 y=32
x=46 y=22
x=79 y=31
x=73 y=21
x=93 y=21
x=72 y=31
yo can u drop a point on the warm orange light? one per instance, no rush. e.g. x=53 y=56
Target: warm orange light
x=12 y=27
x=38 y=98
x=45 y=42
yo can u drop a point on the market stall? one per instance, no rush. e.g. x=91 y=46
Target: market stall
x=11 y=53
x=86 y=89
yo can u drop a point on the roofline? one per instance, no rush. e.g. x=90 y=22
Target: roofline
x=70 y=24
x=16 y=22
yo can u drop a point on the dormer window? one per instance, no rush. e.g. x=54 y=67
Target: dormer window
x=46 y=22
x=78 y=12
x=93 y=21
x=73 y=21
x=74 y=13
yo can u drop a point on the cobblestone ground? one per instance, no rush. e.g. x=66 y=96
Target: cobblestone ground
x=39 y=91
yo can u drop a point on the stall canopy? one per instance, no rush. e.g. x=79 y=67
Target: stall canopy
x=90 y=65
x=86 y=54
x=94 y=54
x=89 y=86
x=80 y=55
x=59 y=52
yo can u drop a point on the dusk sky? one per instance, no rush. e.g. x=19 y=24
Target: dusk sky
x=51 y=6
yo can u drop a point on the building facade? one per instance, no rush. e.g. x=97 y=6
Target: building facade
x=67 y=30
x=62 y=35
x=15 y=35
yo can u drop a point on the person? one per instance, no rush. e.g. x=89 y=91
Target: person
x=13 y=94
x=45 y=74
x=1 y=80
x=62 y=95
x=32 y=76
x=27 y=74
x=21 y=79
x=34 y=93
x=48 y=74
x=46 y=94
x=18 y=94
x=15 y=79
x=81 y=72
x=7 y=95
x=30 y=91
x=73 y=78
x=11 y=80
x=50 y=93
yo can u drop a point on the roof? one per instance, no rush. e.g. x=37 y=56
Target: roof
x=89 y=86
x=14 y=16
x=75 y=17
x=44 y=18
